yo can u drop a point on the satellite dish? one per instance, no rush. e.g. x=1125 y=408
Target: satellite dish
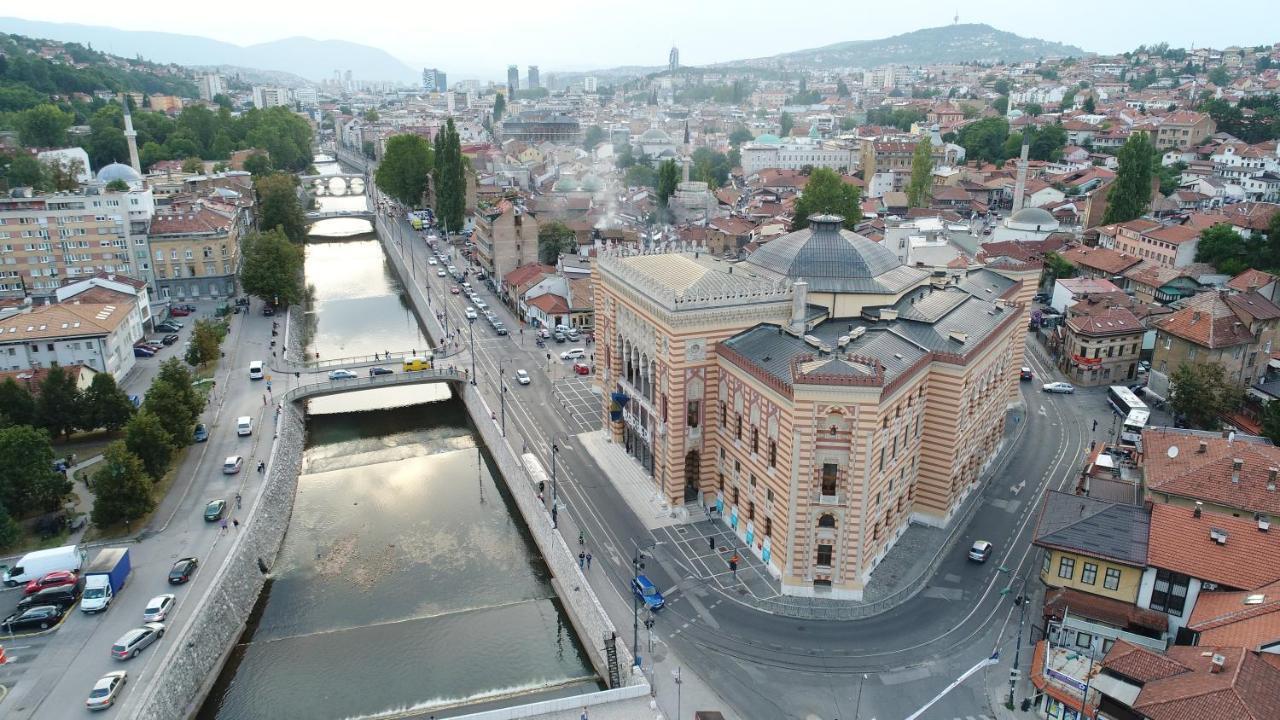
x=1173 y=451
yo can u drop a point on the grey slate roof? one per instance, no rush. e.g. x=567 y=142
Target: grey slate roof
x=985 y=284
x=832 y=259
x=1094 y=527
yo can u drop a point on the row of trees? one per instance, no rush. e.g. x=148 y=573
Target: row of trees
x=989 y=140
x=450 y=178
x=60 y=407
x=271 y=265
x=410 y=163
x=1232 y=253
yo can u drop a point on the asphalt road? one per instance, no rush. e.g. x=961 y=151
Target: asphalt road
x=50 y=676
x=770 y=666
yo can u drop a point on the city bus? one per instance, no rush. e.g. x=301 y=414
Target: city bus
x=1124 y=401
x=1134 y=423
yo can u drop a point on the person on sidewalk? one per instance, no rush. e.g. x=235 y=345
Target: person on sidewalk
x=711 y=543
x=582 y=560
x=588 y=561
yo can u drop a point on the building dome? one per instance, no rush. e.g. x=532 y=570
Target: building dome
x=828 y=257
x=1033 y=218
x=767 y=139
x=654 y=135
x=118 y=171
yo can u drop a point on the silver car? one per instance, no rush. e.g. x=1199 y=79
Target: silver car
x=106 y=690
x=132 y=642
x=158 y=608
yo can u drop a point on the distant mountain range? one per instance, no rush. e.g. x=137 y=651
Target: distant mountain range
x=311 y=59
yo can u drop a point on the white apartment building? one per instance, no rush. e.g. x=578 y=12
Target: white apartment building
x=99 y=336
x=212 y=84
x=265 y=97
x=794 y=154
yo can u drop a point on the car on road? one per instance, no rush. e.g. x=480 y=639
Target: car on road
x=158 y=608
x=432 y=261
x=64 y=597
x=441 y=273
x=647 y=592
x=142 y=352
x=470 y=312
x=106 y=690
x=232 y=465
x=169 y=339
x=1059 y=387
x=175 y=324
x=980 y=551
x=179 y=311
x=559 y=337
x=1026 y=373
x=214 y=510
x=202 y=433
x=134 y=641
x=454 y=290
x=341 y=375
x=380 y=371
x=573 y=354
x=499 y=328
x=268 y=311
x=57 y=578
x=168 y=327
x=182 y=570
x=582 y=368
x=40 y=617
x=522 y=377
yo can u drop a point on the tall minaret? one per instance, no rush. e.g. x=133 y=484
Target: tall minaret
x=130 y=135
x=1020 y=184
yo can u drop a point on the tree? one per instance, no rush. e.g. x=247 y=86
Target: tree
x=258 y=164
x=1001 y=105
x=1222 y=247
x=554 y=238
x=1130 y=194
x=147 y=438
x=1089 y=106
x=26 y=171
x=450 y=178
x=499 y=106
x=121 y=488
x=272 y=267
x=786 y=122
x=106 y=142
x=710 y=167
x=1001 y=87
x=827 y=194
x=1033 y=109
x=43 y=126
x=918 y=195
x=1047 y=143
x=192 y=165
x=368 y=149
x=594 y=136
x=739 y=136
x=64 y=175
x=371 y=115
x=1271 y=421
x=623 y=157
x=58 y=405
x=104 y=404
x=10 y=531
x=206 y=336
x=1202 y=393
x=278 y=205
x=842 y=90
x=406 y=165
x=118 y=185
x=1218 y=76
x=640 y=176
x=984 y=140
x=28 y=482
x=16 y=403
x=1057 y=267
x=668 y=178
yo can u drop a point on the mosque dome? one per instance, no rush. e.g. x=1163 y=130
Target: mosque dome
x=654 y=135
x=118 y=171
x=767 y=139
x=828 y=257
x=1033 y=218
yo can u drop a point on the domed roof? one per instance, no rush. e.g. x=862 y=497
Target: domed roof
x=654 y=135
x=118 y=171
x=1034 y=218
x=767 y=139
x=828 y=257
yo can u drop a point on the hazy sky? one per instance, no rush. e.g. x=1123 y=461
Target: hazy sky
x=480 y=39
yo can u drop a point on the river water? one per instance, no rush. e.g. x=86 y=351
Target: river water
x=407 y=580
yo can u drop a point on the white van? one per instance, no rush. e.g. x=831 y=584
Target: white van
x=244 y=425
x=255 y=370
x=35 y=565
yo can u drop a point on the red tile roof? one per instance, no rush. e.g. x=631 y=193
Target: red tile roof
x=1207 y=475
x=1109 y=321
x=1208 y=321
x=1116 y=613
x=1181 y=542
x=1247 y=687
x=185 y=220
x=1173 y=234
x=1140 y=664
x=1251 y=280
x=1248 y=618
x=527 y=275
x=1111 y=262
x=551 y=304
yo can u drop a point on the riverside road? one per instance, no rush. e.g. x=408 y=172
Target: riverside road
x=769 y=666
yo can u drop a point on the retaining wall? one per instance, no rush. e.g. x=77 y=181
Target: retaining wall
x=195 y=653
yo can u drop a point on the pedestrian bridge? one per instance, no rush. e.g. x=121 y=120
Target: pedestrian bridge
x=313 y=217
x=333 y=387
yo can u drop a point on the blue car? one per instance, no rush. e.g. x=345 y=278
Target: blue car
x=647 y=592
x=202 y=433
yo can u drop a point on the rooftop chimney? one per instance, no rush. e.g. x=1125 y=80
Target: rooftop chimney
x=1236 y=465
x=799 y=306
x=1271 y=478
x=1199 y=507
x=1217 y=663
x=1204 y=447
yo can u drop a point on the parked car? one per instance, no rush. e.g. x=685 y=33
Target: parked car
x=1059 y=387
x=582 y=368
x=470 y=312
x=380 y=371
x=134 y=641
x=432 y=261
x=168 y=327
x=499 y=328
x=179 y=311
x=573 y=354
x=40 y=617
x=63 y=596
x=980 y=551
x=201 y=433
x=559 y=337
x=106 y=690
x=158 y=608
x=522 y=377
x=647 y=592
x=268 y=310
x=441 y=273
x=175 y=324
x=214 y=510
x=169 y=339
x=57 y=578
x=342 y=375
x=452 y=289
x=182 y=570
x=1026 y=373
x=143 y=352
x=232 y=465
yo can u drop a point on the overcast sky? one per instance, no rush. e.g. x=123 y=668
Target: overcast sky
x=480 y=39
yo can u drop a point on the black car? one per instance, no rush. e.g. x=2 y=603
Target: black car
x=169 y=339
x=40 y=617
x=268 y=311
x=380 y=371
x=167 y=327
x=182 y=570
x=63 y=596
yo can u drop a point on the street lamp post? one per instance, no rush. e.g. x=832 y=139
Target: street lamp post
x=555 y=450
x=471 y=333
x=502 y=392
x=1022 y=602
x=675 y=675
x=637 y=564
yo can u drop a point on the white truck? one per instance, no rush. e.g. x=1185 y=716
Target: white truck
x=35 y=565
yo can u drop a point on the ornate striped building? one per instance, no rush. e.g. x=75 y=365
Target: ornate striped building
x=819 y=396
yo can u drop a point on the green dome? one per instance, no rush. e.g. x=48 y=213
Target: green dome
x=768 y=139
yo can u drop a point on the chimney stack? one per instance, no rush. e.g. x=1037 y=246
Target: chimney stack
x=799 y=307
x=1216 y=663
x=1204 y=447
x=1199 y=507
x=1271 y=479
x=1236 y=466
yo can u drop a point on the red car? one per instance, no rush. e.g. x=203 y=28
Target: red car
x=58 y=578
x=582 y=368
x=179 y=312
x=454 y=289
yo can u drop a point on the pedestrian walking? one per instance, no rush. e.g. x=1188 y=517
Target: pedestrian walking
x=588 y=561
x=711 y=543
x=1095 y=424
x=733 y=564
x=582 y=560
x=584 y=715
x=237 y=501
x=236 y=523
x=223 y=524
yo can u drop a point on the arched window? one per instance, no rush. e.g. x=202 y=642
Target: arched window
x=827 y=521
